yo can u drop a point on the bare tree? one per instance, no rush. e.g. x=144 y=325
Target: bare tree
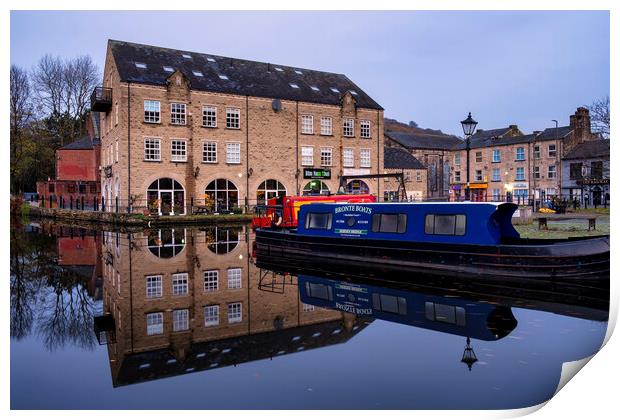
x=599 y=116
x=21 y=106
x=62 y=89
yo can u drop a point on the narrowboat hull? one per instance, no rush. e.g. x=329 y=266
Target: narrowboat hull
x=582 y=259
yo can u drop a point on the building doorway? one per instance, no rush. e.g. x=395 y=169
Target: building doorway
x=316 y=187
x=165 y=196
x=597 y=196
x=269 y=188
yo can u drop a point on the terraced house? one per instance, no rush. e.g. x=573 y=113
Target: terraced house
x=181 y=128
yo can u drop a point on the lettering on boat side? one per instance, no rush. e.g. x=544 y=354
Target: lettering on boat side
x=352 y=231
x=352 y=309
x=361 y=209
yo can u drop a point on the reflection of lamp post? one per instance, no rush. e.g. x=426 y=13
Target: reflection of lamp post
x=469 y=125
x=469 y=357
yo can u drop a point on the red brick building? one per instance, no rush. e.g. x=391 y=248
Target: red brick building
x=77 y=170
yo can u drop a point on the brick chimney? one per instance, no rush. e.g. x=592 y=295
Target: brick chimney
x=580 y=123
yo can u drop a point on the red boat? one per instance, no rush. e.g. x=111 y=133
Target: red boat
x=282 y=211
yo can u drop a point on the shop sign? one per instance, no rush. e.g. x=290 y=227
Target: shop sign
x=592 y=181
x=317 y=173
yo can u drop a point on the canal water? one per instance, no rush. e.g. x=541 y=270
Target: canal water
x=187 y=318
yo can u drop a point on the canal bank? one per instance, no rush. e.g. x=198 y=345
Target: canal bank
x=127 y=220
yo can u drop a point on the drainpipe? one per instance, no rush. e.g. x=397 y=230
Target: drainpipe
x=129 y=204
x=378 y=156
x=297 y=147
x=247 y=152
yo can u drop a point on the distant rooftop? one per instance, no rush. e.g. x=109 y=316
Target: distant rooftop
x=590 y=149
x=85 y=143
x=425 y=141
x=396 y=158
x=138 y=63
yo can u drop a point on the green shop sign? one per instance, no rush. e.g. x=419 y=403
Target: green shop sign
x=317 y=173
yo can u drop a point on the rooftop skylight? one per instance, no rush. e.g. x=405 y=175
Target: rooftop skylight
x=168 y=68
x=294 y=85
x=298 y=72
x=314 y=88
x=197 y=73
x=187 y=56
x=353 y=92
x=223 y=77
x=335 y=90
x=211 y=59
x=141 y=65
x=279 y=69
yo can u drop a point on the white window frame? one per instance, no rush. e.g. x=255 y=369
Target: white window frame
x=478 y=178
x=326 y=126
x=307 y=124
x=234 y=276
x=152 y=149
x=233 y=156
x=152 y=115
x=180 y=284
x=327 y=156
x=348 y=157
x=522 y=150
x=175 y=156
x=348 y=127
x=552 y=174
x=211 y=315
x=307 y=156
x=116 y=146
x=209 y=116
x=211 y=280
x=499 y=175
x=497 y=156
x=457 y=159
x=178 y=113
x=520 y=169
x=180 y=320
x=154 y=323
x=235 y=312
x=154 y=286
x=554 y=151
x=233 y=118
x=365 y=158
x=206 y=153
x=365 y=131
x=536 y=152
x=457 y=176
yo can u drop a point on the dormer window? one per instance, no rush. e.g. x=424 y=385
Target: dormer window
x=211 y=59
x=189 y=57
x=294 y=85
x=314 y=88
x=335 y=90
x=198 y=73
x=141 y=65
x=223 y=77
x=168 y=69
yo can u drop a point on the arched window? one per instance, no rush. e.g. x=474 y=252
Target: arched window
x=357 y=186
x=269 y=189
x=316 y=187
x=222 y=240
x=221 y=195
x=166 y=243
x=166 y=196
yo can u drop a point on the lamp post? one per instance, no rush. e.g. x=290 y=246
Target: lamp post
x=469 y=125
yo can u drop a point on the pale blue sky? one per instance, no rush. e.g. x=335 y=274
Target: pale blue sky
x=513 y=67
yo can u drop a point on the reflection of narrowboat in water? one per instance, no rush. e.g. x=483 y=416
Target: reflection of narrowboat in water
x=467 y=239
x=480 y=320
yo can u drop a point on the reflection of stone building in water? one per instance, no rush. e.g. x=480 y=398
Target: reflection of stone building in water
x=185 y=300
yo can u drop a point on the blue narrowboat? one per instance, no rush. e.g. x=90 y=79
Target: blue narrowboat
x=465 y=239
x=451 y=315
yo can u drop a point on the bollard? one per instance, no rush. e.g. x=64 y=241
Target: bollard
x=116 y=203
x=71 y=203
x=102 y=203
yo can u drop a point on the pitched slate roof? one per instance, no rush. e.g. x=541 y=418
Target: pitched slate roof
x=243 y=77
x=425 y=141
x=553 y=133
x=589 y=149
x=488 y=134
x=502 y=141
x=396 y=158
x=85 y=143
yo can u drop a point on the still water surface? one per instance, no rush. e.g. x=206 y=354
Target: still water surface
x=185 y=319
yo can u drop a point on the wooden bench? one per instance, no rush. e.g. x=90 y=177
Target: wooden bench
x=542 y=221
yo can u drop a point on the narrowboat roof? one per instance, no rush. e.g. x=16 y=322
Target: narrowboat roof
x=444 y=222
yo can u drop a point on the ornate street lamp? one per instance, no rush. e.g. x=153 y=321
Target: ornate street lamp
x=469 y=125
x=469 y=357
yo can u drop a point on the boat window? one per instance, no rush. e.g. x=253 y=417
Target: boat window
x=445 y=313
x=319 y=291
x=319 y=221
x=387 y=303
x=445 y=224
x=389 y=223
